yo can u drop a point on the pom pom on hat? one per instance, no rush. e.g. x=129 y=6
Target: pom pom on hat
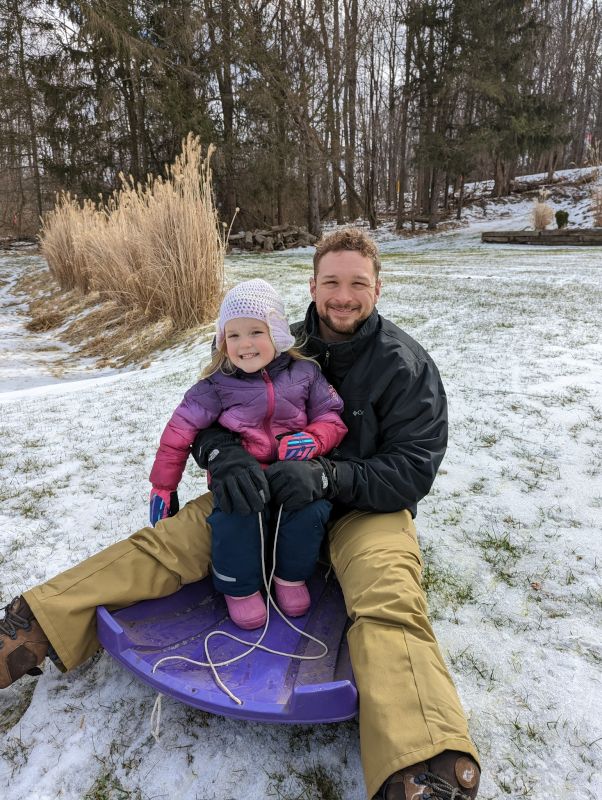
x=256 y=299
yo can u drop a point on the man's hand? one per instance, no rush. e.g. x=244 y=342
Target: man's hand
x=162 y=504
x=295 y=484
x=297 y=447
x=236 y=479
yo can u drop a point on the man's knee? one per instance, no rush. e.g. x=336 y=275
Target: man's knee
x=377 y=561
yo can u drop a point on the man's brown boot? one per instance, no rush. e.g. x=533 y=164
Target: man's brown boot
x=23 y=644
x=449 y=776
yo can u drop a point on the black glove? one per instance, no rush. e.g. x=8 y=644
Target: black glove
x=237 y=480
x=295 y=484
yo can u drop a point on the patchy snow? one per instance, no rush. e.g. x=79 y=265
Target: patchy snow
x=510 y=532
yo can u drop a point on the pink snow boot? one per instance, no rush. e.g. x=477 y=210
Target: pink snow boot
x=292 y=597
x=247 y=612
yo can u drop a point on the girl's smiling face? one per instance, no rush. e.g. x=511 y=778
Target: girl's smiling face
x=249 y=344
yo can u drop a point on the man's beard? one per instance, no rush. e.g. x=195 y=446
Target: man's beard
x=342 y=328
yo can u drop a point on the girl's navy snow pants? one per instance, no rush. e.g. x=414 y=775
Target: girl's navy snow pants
x=236 y=546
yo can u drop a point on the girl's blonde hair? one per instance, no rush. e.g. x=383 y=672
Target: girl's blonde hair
x=221 y=363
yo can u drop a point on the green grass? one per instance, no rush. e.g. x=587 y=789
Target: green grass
x=312 y=783
x=9 y=717
x=109 y=787
x=445 y=589
x=502 y=554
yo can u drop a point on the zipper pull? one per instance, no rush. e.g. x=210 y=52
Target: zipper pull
x=326 y=358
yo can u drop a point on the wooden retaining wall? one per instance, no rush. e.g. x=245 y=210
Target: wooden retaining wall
x=586 y=237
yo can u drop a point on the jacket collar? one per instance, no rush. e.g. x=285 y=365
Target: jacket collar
x=341 y=355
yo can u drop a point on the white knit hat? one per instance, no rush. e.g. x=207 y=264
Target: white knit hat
x=256 y=299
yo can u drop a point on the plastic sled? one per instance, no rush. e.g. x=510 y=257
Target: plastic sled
x=272 y=688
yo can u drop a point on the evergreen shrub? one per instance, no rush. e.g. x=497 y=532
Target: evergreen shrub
x=562 y=218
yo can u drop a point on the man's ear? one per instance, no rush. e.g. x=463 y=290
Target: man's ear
x=312 y=288
x=377 y=290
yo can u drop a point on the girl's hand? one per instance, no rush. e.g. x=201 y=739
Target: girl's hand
x=163 y=504
x=297 y=447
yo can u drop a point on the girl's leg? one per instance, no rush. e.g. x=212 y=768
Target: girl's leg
x=235 y=552
x=236 y=566
x=297 y=549
x=299 y=539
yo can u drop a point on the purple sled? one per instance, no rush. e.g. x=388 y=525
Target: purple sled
x=272 y=688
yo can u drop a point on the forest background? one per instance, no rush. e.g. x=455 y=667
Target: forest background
x=320 y=109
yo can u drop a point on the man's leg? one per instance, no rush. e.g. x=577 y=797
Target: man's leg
x=153 y=562
x=409 y=708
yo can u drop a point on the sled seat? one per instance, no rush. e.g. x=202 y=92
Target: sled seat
x=272 y=688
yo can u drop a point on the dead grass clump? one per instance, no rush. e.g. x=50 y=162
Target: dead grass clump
x=157 y=249
x=596 y=206
x=64 y=236
x=97 y=328
x=115 y=339
x=45 y=322
x=542 y=213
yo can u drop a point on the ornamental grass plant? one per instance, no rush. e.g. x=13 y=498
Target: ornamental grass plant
x=156 y=248
x=596 y=206
x=542 y=213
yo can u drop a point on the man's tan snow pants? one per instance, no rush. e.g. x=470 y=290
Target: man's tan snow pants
x=409 y=709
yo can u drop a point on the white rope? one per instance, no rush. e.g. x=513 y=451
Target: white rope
x=155 y=720
x=156 y=714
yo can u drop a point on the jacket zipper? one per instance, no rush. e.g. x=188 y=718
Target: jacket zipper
x=266 y=420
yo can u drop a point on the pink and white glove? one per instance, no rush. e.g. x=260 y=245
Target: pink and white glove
x=297 y=447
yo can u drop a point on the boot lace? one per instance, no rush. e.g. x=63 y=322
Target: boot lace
x=441 y=788
x=12 y=621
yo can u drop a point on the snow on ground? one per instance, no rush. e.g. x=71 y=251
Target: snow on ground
x=510 y=533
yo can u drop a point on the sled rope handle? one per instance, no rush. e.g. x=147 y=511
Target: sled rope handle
x=156 y=713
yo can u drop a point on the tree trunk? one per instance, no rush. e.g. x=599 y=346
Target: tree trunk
x=218 y=18
x=402 y=175
x=501 y=185
x=27 y=93
x=314 y=224
x=332 y=128
x=349 y=104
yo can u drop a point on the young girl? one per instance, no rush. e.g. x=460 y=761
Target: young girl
x=261 y=387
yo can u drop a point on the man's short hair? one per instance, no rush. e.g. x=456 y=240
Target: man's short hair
x=348 y=239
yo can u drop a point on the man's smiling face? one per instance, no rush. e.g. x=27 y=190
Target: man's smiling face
x=345 y=291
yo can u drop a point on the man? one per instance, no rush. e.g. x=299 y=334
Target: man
x=413 y=733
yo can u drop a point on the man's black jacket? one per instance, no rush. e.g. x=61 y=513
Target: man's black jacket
x=395 y=409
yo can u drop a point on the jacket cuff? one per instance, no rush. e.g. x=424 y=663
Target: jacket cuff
x=344 y=481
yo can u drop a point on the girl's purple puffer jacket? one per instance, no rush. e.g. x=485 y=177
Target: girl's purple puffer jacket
x=287 y=396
